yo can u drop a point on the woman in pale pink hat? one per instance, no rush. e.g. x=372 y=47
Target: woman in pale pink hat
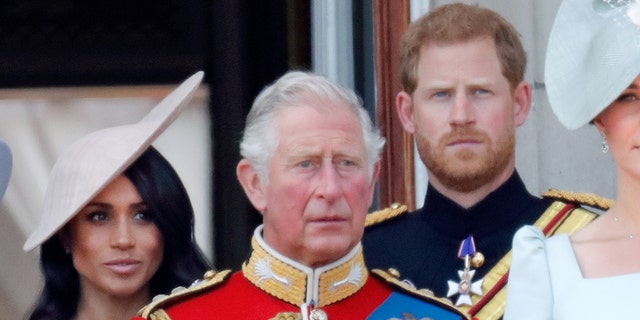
x=592 y=76
x=117 y=224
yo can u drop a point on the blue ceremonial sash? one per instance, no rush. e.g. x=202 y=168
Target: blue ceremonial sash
x=402 y=306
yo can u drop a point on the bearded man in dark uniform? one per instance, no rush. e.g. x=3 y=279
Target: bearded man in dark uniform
x=462 y=70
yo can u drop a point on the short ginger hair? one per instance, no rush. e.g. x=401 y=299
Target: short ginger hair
x=457 y=23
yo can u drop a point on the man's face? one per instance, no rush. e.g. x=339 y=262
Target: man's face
x=463 y=114
x=319 y=190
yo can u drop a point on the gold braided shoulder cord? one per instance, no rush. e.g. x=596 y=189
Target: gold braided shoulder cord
x=153 y=310
x=393 y=211
x=589 y=199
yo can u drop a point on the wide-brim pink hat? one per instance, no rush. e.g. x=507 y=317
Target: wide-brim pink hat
x=6 y=162
x=91 y=163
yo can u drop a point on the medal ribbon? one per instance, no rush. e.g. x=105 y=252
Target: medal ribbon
x=467 y=248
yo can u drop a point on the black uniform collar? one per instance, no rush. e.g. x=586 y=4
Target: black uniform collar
x=500 y=208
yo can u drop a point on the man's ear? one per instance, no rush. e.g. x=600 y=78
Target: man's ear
x=250 y=181
x=521 y=103
x=404 y=107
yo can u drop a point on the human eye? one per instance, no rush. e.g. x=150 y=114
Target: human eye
x=304 y=164
x=480 y=91
x=98 y=216
x=308 y=163
x=348 y=163
x=440 y=94
x=627 y=97
x=143 y=215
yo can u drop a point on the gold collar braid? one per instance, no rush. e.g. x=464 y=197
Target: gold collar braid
x=295 y=283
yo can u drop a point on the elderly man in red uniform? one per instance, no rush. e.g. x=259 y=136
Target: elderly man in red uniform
x=310 y=162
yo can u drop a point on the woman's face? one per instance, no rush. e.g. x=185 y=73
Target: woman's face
x=116 y=248
x=620 y=125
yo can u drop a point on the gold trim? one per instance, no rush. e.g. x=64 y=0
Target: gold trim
x=576 y=220
x=385 y=214
x=287 y=316
x=290 y=283
x=342 y=281
x=159 y=314
x=154 y=311
x=589 y=199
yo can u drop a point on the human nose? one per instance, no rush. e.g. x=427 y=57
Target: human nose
x=329 y=186
x=122 y=236
x=462 y=110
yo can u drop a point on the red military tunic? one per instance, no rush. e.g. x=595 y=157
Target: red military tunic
x=271 y=286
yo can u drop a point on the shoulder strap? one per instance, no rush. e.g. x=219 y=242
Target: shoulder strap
x=560 y=217
x=154 y=311
x=589 y=199
x=385 y=214
x=392 y=279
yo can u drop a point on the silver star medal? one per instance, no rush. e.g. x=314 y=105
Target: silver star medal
x=465 y=287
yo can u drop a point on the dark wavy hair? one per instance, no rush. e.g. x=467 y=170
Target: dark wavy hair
x=172 y=213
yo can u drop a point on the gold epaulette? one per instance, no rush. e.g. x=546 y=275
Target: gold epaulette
x=153 y=310
x=381 y=215
x=392 y=277
x=589 y=199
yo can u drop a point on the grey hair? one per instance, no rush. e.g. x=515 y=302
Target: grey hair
x=260 y=139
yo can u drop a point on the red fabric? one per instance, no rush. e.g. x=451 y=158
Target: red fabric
x=557 y=218
x=237 y=298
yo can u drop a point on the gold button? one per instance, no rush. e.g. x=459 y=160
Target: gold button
x=394 y=272
x=210 y=274
x=477 y=260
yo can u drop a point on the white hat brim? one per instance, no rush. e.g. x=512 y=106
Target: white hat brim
x=593 y=54
x=92 y=162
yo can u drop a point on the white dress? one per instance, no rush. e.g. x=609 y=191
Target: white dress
x=545 y=282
